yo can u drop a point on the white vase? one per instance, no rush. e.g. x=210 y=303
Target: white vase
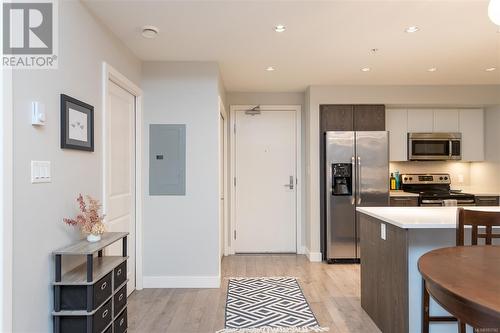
x=93 y=238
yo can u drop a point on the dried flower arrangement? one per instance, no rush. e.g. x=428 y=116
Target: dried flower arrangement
x=89 y=220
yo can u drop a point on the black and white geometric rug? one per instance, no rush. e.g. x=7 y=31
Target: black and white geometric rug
x=268 y=305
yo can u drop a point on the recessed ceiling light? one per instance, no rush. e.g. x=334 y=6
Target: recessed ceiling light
x=365 y=69
x=432 y=69
x=279 y=28
x=412 y=28
x=270 y=69
x=149 y=31
x=494 y=11
x=491 y=69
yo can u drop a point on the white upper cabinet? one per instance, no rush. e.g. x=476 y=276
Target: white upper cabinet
x=420 y=120
x=446 y=120
x=396 y=122
x=471 y=125
x=469 y=122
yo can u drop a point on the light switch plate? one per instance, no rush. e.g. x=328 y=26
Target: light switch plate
x=40 y=172
x=383 y=233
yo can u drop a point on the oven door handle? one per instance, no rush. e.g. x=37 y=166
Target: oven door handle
x=427 y=201
x=470 y=202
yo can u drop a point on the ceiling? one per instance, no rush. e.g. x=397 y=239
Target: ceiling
x=325 y=42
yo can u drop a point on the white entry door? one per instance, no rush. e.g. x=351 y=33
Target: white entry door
x=265 y=190
x=120 y=172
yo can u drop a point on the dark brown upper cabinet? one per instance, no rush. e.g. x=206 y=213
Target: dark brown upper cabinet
x=352 y=118
x=369 y=117
x=336 y=118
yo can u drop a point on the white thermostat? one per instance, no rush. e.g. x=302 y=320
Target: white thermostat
x=37 y=114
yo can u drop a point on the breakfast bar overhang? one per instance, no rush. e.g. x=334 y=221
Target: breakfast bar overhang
x=392 y=240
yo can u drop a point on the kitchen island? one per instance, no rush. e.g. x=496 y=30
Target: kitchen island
x=392 y=240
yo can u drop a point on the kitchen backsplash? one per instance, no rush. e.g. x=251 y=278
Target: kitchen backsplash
x=459 y=171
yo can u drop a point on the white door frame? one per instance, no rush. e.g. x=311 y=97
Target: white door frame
x=6 y=200
x=298 y=163
x=225 y=212
x=111 y=74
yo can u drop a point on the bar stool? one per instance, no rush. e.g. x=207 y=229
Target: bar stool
x=475 y=219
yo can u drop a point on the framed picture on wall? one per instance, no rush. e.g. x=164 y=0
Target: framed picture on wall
x=77 y=124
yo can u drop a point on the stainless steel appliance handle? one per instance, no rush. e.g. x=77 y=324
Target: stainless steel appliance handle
x=353 y=177
x=450 y=145
x=359 y=181
x=329 y=182
x=425 y=201
x=465 y=202
x=290 y=184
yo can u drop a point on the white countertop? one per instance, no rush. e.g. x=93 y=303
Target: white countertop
x=419 y=217
x=402 y=194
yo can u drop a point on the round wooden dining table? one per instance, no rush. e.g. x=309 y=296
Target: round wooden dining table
x=465 y=280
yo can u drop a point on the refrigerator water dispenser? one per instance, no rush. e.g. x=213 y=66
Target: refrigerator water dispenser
x=342 y=179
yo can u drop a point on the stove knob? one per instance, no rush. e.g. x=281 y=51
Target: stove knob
x=405 y=179
x=440 y=178
x=445 y=178
x=411 y=178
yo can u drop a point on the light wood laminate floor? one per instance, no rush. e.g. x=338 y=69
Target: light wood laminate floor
x=333 y=291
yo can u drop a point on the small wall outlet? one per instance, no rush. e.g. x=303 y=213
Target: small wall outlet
x=383 y=233
x=40 y=172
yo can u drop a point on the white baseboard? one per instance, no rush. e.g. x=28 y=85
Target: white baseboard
x=301 y=250
x=228 y=251
x=313 y=256
x=181 y=282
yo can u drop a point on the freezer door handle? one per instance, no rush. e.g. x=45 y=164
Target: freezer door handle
x=358 y=191
x=353 y=197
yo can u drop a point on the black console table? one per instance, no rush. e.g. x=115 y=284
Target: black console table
x=92 y=297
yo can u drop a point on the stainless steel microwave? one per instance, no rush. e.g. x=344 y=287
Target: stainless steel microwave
x=434 y=146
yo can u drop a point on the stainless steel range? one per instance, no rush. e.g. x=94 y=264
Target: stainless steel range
x=434 y=189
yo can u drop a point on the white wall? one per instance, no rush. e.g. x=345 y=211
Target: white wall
x=181 y=235
x=460 y=172
x=6 y=191
x=6 y=170
x=40 y=208
x=389 y=95
x=277 y=98
x=486 y=175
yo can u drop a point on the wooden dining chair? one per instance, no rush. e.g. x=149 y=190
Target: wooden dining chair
x=475 y=219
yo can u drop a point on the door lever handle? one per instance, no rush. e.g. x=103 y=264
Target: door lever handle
x=290 y=185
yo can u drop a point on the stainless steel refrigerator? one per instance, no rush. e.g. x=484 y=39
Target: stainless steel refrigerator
x=357 y=175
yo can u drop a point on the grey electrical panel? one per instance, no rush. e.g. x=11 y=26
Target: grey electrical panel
x=167 y=159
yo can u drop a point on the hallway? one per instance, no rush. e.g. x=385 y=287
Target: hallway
x=333 y=292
